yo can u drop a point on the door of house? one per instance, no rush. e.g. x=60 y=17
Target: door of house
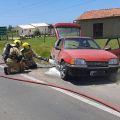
x=98 y=30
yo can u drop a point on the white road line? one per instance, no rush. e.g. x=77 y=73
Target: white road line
x=31 y=78
x=97 y=105
x=1 y=66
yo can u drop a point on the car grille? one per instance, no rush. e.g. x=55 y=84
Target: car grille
x=97 y=64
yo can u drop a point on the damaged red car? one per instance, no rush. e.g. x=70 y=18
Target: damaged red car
x=81 y=56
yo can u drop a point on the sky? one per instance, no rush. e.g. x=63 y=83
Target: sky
x=16 y=12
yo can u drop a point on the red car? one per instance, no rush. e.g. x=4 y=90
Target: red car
x=81 y=56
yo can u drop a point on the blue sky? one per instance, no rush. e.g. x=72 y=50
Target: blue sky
x=14 y=12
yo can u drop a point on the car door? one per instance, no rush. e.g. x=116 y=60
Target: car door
x=57 y=49
x=114 y=45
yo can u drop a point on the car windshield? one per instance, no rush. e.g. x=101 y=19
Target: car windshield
x=80 y=43
x=68 y=32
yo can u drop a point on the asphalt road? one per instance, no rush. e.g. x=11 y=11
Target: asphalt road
x=101 y=88
x=25 y=101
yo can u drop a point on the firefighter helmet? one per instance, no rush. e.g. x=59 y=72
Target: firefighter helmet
x=17 y=43
x=26 y=45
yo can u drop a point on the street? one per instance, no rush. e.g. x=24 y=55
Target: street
x=27 y=101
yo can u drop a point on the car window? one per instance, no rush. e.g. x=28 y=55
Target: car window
x=93 y=44
x=68 y=32
x=119 y=41
x=58 y=43
x=72 y=44
x=80 y=43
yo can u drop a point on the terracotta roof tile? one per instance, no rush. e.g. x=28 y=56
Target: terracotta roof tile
x=102 y=13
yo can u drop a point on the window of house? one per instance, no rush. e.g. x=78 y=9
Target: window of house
x=98 y=30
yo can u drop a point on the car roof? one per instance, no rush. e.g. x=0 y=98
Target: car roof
x=59 y=25
x=77 y=37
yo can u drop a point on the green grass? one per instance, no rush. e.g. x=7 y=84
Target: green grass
x=101 y=42
x=39 y=45
x=43 y=46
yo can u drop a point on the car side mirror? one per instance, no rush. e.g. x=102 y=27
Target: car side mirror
x=57 y=48
x=107 y=48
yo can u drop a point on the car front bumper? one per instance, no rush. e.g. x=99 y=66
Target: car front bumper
x=76 y=70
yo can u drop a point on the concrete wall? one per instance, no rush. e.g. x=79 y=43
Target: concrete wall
x=111 y=26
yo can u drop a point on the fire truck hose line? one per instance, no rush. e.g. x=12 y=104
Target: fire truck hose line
x=67 y=89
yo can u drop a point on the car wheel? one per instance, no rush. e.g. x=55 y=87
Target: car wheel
x=113 y=77
x=34 y=66
x=63 y=71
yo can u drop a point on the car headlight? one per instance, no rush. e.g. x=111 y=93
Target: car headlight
x=114 y=61
x=80 y=62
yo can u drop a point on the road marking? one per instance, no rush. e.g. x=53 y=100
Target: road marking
x=1 y=66
x=95 y=104
x=31 y=78
x=78 y=97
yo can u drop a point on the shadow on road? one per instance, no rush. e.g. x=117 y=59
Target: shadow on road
x=83 y=81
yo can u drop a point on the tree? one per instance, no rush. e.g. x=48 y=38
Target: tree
x=37 y=33
x=10 y=27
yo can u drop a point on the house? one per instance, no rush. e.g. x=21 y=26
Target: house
x=25 y=30
x=43 y=28
x=100 y=23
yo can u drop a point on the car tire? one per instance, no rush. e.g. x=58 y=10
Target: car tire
x=113 y=77
x=63 y=71
x=34 y=66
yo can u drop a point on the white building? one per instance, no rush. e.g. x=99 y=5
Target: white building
x=42 y=27
x=25 y=30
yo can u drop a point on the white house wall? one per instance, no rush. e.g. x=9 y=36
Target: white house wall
x=26 y=32
x=43 y=29
x=30 y=31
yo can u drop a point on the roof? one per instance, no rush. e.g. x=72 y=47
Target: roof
x=66 y=25
x=39 y=24
x=26 y=26
x=102 y=13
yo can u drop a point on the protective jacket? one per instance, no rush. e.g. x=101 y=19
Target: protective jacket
x=14 y=56
x=28 y=56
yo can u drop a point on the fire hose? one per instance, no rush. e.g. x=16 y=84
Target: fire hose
x=67 y=89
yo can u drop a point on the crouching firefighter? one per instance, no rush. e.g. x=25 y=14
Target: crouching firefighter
x=12 y=58
x=29 y=55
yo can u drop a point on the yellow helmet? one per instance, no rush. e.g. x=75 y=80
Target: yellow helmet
x=17 y=43
x=26 y=45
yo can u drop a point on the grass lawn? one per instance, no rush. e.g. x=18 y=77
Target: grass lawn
x=101 y=42
x=40 y=46
x=43 y=46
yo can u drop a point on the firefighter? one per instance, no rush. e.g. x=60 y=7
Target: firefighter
x=12 y=57
x=29 y=55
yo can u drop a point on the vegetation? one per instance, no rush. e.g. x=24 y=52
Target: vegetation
x=37 y=33
x=101 y=42
x=41 y=45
